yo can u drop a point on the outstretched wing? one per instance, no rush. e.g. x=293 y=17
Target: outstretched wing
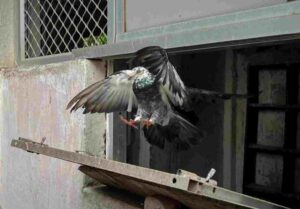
x=179 y=131
x=112 y=94
x=155 y=59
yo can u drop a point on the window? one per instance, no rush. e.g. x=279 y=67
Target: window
x=272 y=133
x=271 y=146
x=58 y=26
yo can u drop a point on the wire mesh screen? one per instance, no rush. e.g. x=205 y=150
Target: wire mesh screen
x=58 y=26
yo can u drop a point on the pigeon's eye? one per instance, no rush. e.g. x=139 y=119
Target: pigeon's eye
x=138 y=71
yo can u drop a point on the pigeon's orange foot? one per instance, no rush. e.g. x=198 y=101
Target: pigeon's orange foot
x=147 y=123
x=131 y=122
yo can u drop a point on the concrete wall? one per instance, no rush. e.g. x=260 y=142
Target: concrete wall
x=143 y=14
x=32 y=105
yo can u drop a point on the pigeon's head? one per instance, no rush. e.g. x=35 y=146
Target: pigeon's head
x=143 y=78
x=140 y=71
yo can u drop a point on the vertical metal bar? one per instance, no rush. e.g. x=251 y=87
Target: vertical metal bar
x=119 y=129
x=240 y=77
x=21 y=30
x=227 y=124
x=115 y=147
x=120 y=19
x=111 y=21
x=251 y=127
x=109 y=142
x=234 y=128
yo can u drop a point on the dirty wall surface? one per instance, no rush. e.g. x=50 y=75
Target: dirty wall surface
x=32 y=105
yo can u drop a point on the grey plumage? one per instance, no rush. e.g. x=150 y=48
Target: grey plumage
x=153 y=87
x=139 y=88
x=109 y=95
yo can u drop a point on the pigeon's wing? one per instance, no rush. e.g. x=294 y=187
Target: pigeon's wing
x=179 y=132
x=173 y=85
x=155 y=59
x=115 y=93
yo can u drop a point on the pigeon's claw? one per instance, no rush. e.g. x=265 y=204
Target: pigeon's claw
x=147 y=123
x=130 y=122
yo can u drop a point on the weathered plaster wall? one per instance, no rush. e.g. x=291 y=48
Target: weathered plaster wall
x=8 y=18
x=143 y=14
x=32 y=105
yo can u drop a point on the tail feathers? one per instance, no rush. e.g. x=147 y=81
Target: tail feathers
x=188 y=134
x=156 y=135
x=179 y=132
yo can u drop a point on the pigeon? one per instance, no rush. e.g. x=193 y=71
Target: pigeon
x=154 y=89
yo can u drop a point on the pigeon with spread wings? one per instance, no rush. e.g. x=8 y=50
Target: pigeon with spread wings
x=154 y=88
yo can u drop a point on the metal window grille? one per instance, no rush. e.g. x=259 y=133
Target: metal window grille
x=58 y=26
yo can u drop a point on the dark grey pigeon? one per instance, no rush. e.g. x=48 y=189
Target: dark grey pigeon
x=154 y=92
x=164 y=104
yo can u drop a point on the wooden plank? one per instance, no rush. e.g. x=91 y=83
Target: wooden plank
x=194 y=192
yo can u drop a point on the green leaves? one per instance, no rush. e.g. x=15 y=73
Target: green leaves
x=95 y=40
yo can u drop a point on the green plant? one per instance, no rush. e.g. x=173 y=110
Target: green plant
x=94 y=41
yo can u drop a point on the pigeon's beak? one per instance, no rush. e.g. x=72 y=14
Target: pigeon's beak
x=132 y=74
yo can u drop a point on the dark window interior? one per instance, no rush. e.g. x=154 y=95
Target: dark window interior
x=271 y=169
x=272 y=139
x=201 y=70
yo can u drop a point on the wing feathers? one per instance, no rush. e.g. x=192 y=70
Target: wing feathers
x=114 y=93
x=155 y=59
x=83 y=93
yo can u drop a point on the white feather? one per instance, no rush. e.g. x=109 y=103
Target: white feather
x=129 y=107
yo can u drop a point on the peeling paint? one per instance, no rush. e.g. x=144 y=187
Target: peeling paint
x=32 y=104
